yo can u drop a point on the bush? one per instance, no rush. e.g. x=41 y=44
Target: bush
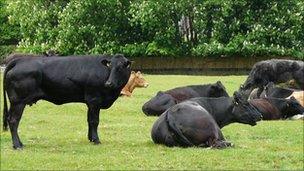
x=161 y=28
x=5 y=51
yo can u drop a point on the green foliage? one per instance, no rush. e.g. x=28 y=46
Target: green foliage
x=154 y=28
x=5 y=50
x=55 y=138
x=252 y=28
x=9 y=33
x=134 y=49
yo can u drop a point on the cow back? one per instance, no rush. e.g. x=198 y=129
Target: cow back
x=268 y=110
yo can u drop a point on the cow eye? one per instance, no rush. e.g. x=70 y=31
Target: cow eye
x=108 y=64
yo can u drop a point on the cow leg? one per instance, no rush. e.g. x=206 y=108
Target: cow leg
x=218 y=140
x=221 y=144
x=15 y=114
x=89 y=127
x=217 y=143
x=93 y=122
x=127 y=93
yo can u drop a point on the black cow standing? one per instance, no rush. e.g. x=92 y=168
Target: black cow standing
x=274 y=70
x=93 y=80
x=197 y=121
x=164 y=100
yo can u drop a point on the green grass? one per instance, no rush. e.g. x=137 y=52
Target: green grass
x=55 y=137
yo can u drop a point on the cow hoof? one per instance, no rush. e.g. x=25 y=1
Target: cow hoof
x=96 y=142
x=20 y=147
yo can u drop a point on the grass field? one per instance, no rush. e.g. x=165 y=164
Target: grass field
x=55 y=137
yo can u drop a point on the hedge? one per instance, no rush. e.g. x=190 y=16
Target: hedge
x=209 y=28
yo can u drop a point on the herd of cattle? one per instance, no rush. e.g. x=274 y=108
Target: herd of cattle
x=188 y=116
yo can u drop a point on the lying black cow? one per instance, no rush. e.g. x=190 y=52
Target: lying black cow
x=197 y=122
x=94 y=80
x=277 y=108
x=164 y=100
x=274 y=91
x=271 y=90
x=274 y=70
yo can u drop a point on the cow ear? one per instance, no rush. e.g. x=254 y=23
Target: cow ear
x=237 y=98
x=132 y=72
x=220 y=85
x=128 y=64
x=215 y=87
x=106 y=62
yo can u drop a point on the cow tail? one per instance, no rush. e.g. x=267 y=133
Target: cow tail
x=5 y=108
x=178 y=135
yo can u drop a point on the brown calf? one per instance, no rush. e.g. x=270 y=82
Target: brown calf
x=136 y=80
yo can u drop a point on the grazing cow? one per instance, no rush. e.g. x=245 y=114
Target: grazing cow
x=136 y=80
x=277 y=108
x=197 y=121
x=274 y=70
x=93 y=80
x=163 y=100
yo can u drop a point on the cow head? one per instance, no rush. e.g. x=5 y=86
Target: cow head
x=120 y=70
x=158 y=104
x=272 y=91
x=292 y=107
x=218 y=90
x=243 y=111
x=139 y=80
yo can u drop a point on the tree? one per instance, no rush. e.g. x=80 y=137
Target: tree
x=209 y=28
